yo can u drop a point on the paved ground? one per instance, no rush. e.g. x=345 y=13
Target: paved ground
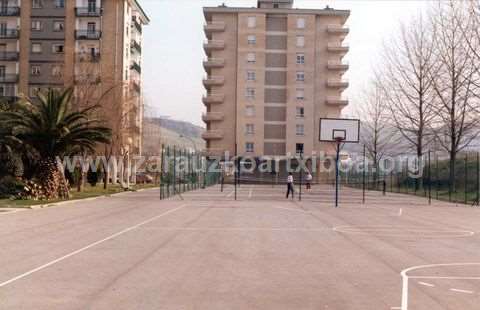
x=262 y=252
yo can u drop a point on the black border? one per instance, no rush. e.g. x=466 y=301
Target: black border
x=338 y=119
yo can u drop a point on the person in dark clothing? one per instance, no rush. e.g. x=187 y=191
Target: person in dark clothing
x=289 y=184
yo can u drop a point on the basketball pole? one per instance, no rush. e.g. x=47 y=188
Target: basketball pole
x=337 y=160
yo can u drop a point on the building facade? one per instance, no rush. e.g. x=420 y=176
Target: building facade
x=92 y=45
x=272 y=73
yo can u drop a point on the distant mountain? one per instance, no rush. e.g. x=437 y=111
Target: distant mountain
x=160 y=130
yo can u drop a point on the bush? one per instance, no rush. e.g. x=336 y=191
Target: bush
x=10 y=186
x=92 y=177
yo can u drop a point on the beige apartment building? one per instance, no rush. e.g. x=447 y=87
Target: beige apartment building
x=93 y=45
x=272 y=73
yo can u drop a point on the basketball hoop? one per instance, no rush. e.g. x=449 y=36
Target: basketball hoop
x=338 y=131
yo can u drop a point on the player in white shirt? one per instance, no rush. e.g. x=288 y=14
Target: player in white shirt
x=289 y=184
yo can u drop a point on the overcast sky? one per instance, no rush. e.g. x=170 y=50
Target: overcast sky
x=173 y=53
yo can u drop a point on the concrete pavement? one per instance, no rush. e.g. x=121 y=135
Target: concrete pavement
x=261 y=252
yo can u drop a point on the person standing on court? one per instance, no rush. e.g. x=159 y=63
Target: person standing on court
x=308 y=179
x=290 y=184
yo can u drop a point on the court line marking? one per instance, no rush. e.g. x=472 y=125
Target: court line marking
x=231 y=193
x=405 y=278
x=388 y=231
x=91 y=245
x=234 y=229
x=426 y=284
x=461 y=291
x=291 y=209
x=250 y=193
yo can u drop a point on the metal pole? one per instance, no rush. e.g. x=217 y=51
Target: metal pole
x=174 y=170
x=336 y=174
x=364 y=172
x=436 y=175
x=161 y=172
x=300 y=181
x=429 y=178
x=478 y=180
x=465 y=179
x=235 y=172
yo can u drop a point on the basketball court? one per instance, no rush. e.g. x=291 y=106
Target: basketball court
x=262 y=251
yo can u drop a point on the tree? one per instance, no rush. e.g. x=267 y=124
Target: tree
x=454 y=79
x=376 y=134
x=52 y=129
x=407 y=82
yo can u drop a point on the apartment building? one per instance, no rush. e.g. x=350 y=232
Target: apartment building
x=271 y=73
x=93 y=45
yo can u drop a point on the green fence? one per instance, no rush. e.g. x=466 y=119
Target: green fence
x=183 y=170
x=432 y=176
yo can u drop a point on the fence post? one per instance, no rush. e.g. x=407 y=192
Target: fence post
x=478 y=180
x=161 y=172
x=429 y=179
x=437 y=179
x=465 y=179
x=364 y=173
x=235 y=172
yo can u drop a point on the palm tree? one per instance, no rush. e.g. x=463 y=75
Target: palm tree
x=53 y=129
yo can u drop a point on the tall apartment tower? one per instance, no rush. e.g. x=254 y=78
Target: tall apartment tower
x=92 y=45
x=272 y=73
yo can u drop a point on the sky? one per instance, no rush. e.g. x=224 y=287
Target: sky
x=173 y=52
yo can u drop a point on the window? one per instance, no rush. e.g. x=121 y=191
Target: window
x=251 y=75
x=250 y=111
x=36 y=47
x=37 y=4
x=58 y=25
x=252 y=22
x=57 y=70
x=57 y=48
x=91 y=27
x=300 y=59
x=249 y=147
x=249 y=129
x=301 y=23
x=35 y=70
x=251 y=58
x=59 y=3
x=299 y=148
x=300 y=76
x=300 y=94
x=300 y=41
x=250 y=94
x=300 y=112
x=36 y=25
x=300 y=129
x=276 y=6
x=252 y=39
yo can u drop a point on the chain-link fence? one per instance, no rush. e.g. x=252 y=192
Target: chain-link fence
x=184 y=170
x=433 y=176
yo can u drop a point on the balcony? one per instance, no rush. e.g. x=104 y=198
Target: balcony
x=10 y=11
x=135 y=66
x=213 y=116
x=135 y=46
x=337 y=66
x=9 y=34
x=214 y=152
x=9 y=78
x=212 y=45
x=214 y=27
x=213 y=81
x=334 y=83
x=213 y=98
x=8 y=56
x=337 y=48
x=88 y=11
x=212 y=135
x=137 y=25
x=88 y=35
x=336 y=102
x=214 y=63
x=338 y=29
x=88 y=57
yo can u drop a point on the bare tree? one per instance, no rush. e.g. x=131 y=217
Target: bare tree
x=376 y=134
x=454 y=78
x=407 y=82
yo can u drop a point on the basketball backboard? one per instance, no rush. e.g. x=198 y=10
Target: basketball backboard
x=339 y=129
